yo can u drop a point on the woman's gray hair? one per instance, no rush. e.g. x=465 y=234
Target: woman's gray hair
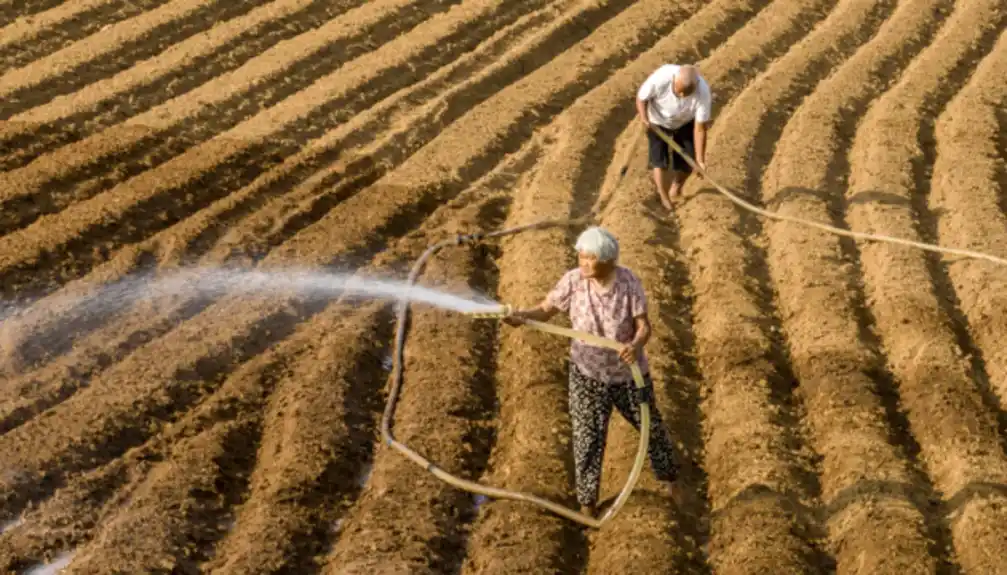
x=600 y=243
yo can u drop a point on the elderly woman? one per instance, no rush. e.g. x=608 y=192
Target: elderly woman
x=607 y=300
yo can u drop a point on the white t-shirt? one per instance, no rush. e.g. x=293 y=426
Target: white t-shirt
x=666 y=108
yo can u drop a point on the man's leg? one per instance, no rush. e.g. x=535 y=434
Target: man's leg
x=675 y=186
x=664 y=181
x=658 y=157
x=680 y=169
x=660 y=447
x=590 y=408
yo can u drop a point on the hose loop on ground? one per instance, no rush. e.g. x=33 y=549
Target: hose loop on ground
x=402 y=313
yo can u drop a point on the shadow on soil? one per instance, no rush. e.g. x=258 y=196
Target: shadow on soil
x=684 y=390
x=897 y=424
x=340 y=483
x=485 y=410
x=806 y=521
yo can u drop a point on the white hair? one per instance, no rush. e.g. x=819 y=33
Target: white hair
x=600 y=243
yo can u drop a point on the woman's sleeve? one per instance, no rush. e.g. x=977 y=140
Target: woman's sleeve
x=561 y=293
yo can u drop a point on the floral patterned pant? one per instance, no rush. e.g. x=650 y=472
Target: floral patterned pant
x=591 y=403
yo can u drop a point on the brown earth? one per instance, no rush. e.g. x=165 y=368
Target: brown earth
x=841 y=406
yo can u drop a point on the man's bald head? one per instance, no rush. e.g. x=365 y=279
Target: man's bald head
x=686 y=80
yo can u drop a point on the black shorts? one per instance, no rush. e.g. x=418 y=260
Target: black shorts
x=659 y=150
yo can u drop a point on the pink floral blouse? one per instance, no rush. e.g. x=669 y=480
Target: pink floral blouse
x=607 y=314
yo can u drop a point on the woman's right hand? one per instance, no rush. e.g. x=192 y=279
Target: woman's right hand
x=515 y=318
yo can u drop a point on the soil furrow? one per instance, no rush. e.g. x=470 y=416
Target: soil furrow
x=174 y=517
x=928 y=229
x=24 y=395
x=841 y=371
x=178 y=69
x=760 y=40
x=469 y=147
x=729 y=69
x=171 y=244
x=151 y=138
x=28 y=26
x=37 y=391
x=94 y=97
x=841 y=405
x=516 y=111
x=165 y=246
x=532 y=451
x=761 y=486
x=27 y=39
x=183 y=184
x=364 y=149
x=317 y=440
x=111 y=51
x=445 y=413
x=967 y=174
x=740 y=58
x=10 y=10
x=431 y=185
x=764 y=38
x=768 y=513
x=50 y=338
x=650 y=532
x=70 y=518
x=773 y=41
x=941 y=390
x=101 y=422
x=968 y=171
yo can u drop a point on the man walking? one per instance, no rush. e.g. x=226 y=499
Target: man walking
x=676 y=100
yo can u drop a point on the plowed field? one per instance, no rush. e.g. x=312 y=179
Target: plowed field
x=843 y=404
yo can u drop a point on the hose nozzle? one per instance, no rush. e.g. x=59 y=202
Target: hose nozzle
x=504 y=311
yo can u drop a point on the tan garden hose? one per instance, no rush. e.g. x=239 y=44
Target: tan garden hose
x=471 y=486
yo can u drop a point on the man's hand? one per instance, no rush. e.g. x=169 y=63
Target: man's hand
x=629 y=352
x=641 y=112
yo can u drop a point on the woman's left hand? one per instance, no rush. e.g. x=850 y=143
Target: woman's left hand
x=629 y=353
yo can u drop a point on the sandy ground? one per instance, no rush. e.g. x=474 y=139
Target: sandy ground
x=842 y=404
